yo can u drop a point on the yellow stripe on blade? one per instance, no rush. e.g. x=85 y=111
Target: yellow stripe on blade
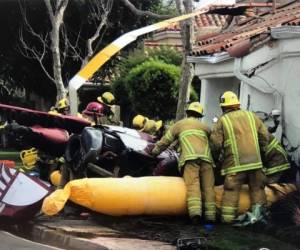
x=110 y=50
x=102 y=57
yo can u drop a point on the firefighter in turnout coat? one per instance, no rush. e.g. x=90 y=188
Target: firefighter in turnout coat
x=238 y=137
x=195 y=161
x=275 y=160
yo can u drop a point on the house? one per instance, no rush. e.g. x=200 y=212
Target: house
x=170 y=36
x=259 y=59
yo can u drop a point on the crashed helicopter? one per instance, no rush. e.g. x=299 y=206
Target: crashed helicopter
x=88 y=151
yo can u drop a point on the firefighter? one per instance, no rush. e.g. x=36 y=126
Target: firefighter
x=63 y=106
x=107 y=99
x=238 y=137
x=275 y=160
x=195 y=161
x=146 y=125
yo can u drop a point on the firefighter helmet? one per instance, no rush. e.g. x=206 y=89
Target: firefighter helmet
x=195 y=107
x=229 y=99
x=106 y=98
x=139 y=121
x=94 y=108
x=63 y=103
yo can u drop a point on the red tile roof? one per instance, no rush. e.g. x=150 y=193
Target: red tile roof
x=203 y=20
x=248 y=34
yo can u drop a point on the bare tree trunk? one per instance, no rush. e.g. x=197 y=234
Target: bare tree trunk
x=56 y=15
x=57 y=74
x=186 y=35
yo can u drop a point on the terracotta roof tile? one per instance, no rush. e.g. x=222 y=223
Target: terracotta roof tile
x=204 y=20
x=247 y=34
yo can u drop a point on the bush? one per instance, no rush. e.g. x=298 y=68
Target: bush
x=157 y=73
x=166 y=54
x=153 y=88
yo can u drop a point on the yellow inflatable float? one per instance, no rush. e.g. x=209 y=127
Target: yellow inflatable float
x=140 y=196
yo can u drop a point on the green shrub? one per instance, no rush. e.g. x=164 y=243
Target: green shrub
x=148 y=83
x=153 y=88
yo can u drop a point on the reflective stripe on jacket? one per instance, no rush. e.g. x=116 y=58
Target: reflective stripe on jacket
x=276 y=159
x=239 y=136
x=193 y=140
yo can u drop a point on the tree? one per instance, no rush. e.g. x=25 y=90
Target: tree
x=186 y=31
x=57 y=41
x=63 y=43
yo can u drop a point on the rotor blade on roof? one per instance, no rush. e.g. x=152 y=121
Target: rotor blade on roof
x=104 y=55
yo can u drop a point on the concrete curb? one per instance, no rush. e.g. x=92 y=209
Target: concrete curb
x=55 y=238
x=43 y=234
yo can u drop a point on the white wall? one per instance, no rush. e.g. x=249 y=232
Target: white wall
x=282 y=74
x=277 y=71
x=211 y=90
x=291 y=103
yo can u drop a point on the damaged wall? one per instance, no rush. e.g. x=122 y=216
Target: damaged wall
x=268 y=79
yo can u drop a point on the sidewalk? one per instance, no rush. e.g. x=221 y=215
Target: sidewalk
x=86 y=234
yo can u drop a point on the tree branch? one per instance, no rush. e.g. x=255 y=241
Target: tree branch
x=33 y=53
x=139 y=12
x=50 y=10
x=96 y=9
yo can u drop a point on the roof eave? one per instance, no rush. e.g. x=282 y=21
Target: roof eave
x=210 y=59
x=285 y=32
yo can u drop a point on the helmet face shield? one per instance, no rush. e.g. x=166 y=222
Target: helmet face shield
x=222 y=99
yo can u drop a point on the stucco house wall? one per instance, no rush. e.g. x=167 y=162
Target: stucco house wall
x=266 y=79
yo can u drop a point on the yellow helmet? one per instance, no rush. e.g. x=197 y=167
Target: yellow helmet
x=63 y=103
x=196 y=107
x=149 y=127
x=229 y=99
x=139 y=121
x=107 y=98
x=55 y=177
x=29 y=157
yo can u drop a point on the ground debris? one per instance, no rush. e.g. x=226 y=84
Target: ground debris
x=166 y=229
